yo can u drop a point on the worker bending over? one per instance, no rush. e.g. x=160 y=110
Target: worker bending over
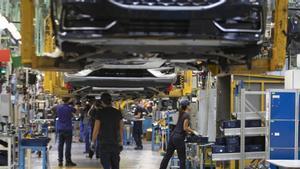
x=178 y=136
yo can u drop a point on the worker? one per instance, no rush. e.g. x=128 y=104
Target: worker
x=178 y=136
x=64 y=124
x=109 y=125
x=94 y=110
x=86 y=126
x=138 y=127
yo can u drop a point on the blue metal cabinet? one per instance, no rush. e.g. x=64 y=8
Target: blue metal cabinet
x=283 y=105
x=282 y=134
x=282 y=154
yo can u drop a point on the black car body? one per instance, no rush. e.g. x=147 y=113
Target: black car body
x=174 y=28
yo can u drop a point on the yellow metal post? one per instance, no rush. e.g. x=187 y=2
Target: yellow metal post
x=49 y=39
x=48 y=82
x=188 y=82
x=27 y=32
x=280 y=31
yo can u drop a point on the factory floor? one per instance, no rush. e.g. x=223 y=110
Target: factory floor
x=130 y=158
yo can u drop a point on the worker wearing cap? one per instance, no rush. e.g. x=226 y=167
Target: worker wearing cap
x=138 y=127
x=109 y=126
x=178 y=136
x=64 y=127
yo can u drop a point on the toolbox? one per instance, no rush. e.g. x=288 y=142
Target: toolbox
x=237 y=123
x=232 y=148
x=255 y=140
x=232 y=140
x=220 y=141
x=254 y=148
x=196 y=139
x=218 y=149
x=253 y=123
x=231 y=124
x=3 y=158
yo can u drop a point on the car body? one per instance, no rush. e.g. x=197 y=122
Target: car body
x=178 y=29
x=125 y=74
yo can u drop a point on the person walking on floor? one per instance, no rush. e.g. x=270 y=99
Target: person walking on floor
x=86 y=126
x=178 y=136
x=109 y=126
x=92 y=113
x=64 y=127
x=138 y=127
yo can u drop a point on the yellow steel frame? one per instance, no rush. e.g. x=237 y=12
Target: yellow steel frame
x=186 y=88
x=54 y=83
x=28 y=54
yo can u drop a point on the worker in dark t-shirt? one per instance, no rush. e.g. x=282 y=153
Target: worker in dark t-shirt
x=109 y=126
x=178 y=136
x=138 y=127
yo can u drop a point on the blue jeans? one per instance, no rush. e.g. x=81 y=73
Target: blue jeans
x=65 y=137
x=81 y=135
x=87 y=136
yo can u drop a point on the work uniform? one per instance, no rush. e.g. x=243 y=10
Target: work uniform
x=138 y=128
x=64 y=128
x=176 y=143
x=110 y=138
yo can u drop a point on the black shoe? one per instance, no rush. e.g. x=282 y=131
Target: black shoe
x=91 y=154
x=60 y=164
x=138 y=148
x=70 y=164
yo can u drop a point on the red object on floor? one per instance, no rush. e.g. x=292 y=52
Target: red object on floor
x=4 y=55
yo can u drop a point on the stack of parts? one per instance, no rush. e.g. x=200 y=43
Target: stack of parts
x=196 y=139
x=231 y=144
x=237 y=124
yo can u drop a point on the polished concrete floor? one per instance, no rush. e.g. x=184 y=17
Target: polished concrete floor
x=130 y=158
